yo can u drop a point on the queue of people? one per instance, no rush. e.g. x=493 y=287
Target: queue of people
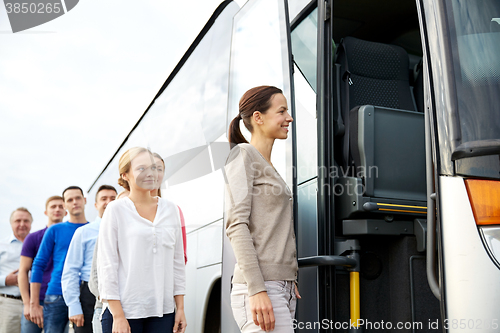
x=125 y=272
x=46 y=274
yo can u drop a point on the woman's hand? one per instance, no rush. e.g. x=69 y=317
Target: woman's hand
x=262 y=311
x=297 y=291
x=120 y=325
x=180 y=321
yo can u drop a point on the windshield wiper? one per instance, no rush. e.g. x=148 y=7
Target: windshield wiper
x=476 y=148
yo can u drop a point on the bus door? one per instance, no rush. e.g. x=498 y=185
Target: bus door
x=314 y=208
x=462 y=66
x=259 y=56
x=371 y=140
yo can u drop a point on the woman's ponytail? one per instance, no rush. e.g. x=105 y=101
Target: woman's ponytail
x=235 y=135
x=123 y=183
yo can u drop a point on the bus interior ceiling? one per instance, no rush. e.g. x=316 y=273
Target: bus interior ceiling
x=393 y=273
x=389 y=22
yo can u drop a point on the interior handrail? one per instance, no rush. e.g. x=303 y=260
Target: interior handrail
x=431 y=213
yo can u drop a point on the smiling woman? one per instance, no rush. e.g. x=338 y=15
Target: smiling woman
x=259 y=211
x=144 y=170
x=140 y=262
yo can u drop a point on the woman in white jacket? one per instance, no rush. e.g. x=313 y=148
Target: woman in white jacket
x=140 y=262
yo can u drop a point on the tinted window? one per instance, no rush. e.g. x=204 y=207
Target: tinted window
x=304 y=47
x=475 y=42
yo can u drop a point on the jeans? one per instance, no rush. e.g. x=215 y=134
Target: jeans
x=55 y=314
x=163 y=324
x=283 y=299
x=27 y=326
x=96 y=321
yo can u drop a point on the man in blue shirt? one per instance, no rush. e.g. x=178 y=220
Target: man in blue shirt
x=55 y=243
x=76 y=272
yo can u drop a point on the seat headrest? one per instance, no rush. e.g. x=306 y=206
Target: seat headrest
x=376 y=60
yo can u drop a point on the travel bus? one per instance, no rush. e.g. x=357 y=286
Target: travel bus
x=393 y=157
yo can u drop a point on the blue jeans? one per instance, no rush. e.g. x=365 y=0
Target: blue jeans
x=27 y=326
x=163 y=324
x=55 y=314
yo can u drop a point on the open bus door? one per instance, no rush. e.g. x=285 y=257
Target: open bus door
x=371 y=180
x=427 y=220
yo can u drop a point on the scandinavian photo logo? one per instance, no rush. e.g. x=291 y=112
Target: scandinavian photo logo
x=25 y=14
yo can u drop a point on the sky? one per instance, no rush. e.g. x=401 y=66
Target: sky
x=73 y=88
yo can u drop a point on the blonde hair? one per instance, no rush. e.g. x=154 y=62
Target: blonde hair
x=125 y=162
x=54 y=197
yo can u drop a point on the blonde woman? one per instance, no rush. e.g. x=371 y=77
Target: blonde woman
x=259 y=217
x=140 y=264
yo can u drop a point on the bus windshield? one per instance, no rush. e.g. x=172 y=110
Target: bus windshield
x=475 y=48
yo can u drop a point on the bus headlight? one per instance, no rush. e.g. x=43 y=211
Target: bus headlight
x=491 y=239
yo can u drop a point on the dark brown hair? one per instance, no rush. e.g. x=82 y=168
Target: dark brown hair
x=255 y=99
x=105 y=187
x=72 y=188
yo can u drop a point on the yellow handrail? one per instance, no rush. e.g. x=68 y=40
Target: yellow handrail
x=355 y=302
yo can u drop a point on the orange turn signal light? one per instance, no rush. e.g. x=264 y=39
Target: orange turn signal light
x=484 y=196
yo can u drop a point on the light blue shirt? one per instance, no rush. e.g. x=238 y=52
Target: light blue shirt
x=78 y=264
x=10 y=256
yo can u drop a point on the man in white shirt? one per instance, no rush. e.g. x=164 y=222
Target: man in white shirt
x=11 y=304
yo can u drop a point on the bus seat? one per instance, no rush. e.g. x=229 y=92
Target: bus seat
x=383 y=144
x=388 y=149
x=377 y=73
x=371 y=74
